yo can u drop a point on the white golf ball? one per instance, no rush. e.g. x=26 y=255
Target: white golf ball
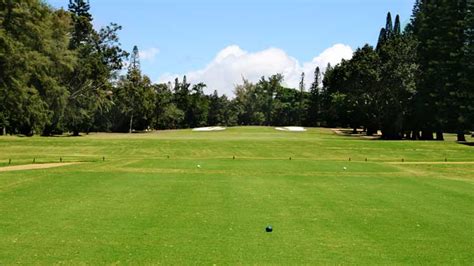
x=345 y=168
x=199 y=166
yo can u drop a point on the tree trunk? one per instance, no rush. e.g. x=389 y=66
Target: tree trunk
x=370 y=131
x=4 y=133
x=354 y=131
x=131 y=124
x=439 y=135
x=407 y=135
x=389 y=135
x=75 y=133
x=47 y=131
x=426 y=135
x=461 y=136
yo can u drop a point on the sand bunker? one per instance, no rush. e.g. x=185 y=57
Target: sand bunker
x=292 y=129
x=32 y=166
x=206 y=129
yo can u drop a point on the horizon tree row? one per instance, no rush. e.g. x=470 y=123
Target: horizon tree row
x=415 y=82
x=58 y=74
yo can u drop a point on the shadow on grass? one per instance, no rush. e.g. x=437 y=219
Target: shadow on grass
x=466 y=143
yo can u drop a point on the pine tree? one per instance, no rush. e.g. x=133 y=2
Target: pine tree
x=99 y=57
x=301 y=103
x=397 y=84
x=427 y=100
x=467 y=73
x=315 y=99
x=135 y=60
x=182 y=99
x=135 y=98
x=82 y=21
x=198 y=109
x=382 y=38
x=441 y=98
x=389 y=26
x=397 y=29
x=133 y=90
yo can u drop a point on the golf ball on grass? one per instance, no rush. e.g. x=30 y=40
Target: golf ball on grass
x=198 y=166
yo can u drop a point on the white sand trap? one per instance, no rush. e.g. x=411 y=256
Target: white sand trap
x=207 y=129
x=33 y=166
x=292 y=129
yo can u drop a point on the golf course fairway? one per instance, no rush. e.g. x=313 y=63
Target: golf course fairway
x=142 y=199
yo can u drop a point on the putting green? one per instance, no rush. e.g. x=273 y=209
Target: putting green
x=143 y=199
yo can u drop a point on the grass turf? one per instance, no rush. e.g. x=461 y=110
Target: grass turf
x=148 y=202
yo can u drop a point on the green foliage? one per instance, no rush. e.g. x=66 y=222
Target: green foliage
x=221 y=111
x=58 y=73
x=417 y=80
x=99 y=56
x=442 y=100
x=134 y=98
x=171 y=117
x=398 y=68
x=33 y=58
x=314 y=101
x=358 y=80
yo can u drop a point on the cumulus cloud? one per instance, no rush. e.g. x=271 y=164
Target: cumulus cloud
x=232 y=63
x=149 y=54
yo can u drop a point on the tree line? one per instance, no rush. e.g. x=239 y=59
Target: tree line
x=414 y=83
x=58 y=74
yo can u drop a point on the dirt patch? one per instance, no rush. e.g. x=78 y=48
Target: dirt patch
x=33 y=166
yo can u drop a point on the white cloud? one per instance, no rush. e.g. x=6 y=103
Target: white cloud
x=149 y=54
x=233 y=63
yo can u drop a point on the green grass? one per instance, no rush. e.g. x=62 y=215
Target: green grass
x=141 y=207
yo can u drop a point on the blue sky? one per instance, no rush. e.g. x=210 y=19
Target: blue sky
x=187 y=37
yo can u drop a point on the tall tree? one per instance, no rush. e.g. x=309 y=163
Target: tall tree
x=353 y=87
x=99 y=57
x=197 y=112
x=136 y=96
x=166 y=115
x=441 y=31
x=133 y=94
x=301 y=102
x=397 y=84
x=389 y=25
x=397 y=28
x=82 y=22
x=467 y=73
x=182 y=99
x=387 y=32
x=315 y=99
x=33 y=59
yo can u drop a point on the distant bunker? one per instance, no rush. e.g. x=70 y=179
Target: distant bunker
x=291 y=129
